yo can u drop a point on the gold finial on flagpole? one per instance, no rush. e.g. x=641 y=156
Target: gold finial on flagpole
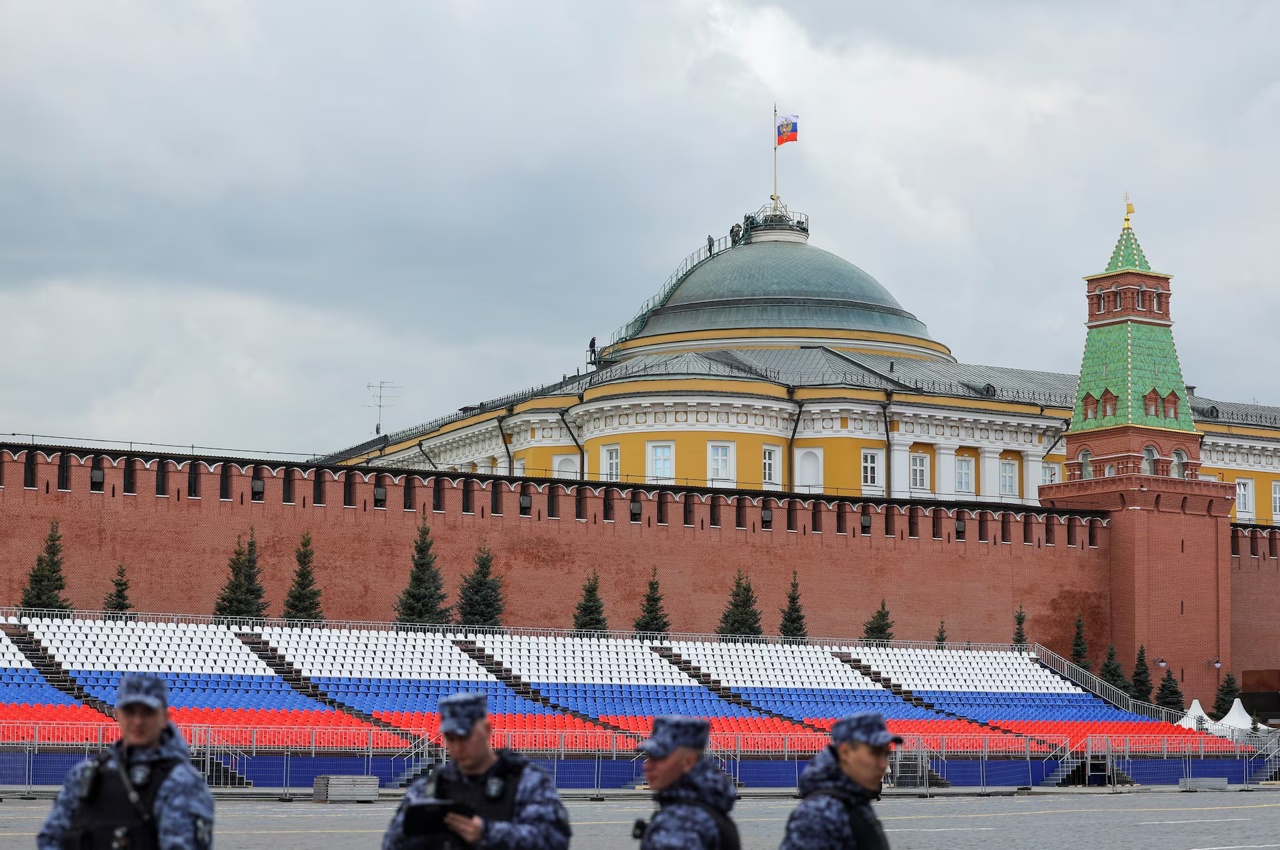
x=1128 y=210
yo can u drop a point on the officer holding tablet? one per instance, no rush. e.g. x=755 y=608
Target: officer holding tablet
x=480 y=797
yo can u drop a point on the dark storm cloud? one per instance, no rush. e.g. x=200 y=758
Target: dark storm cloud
x=219 y=221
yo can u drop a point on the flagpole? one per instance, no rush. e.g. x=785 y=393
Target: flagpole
x=775 y=158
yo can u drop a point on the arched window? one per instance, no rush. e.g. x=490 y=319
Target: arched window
x=1178 y=468
x=1171 y=406
x=1116 y=302
x=1110 y=471
x=1140 y=299
x=1155 y=301
x=1100 y=298
x=1149 y=461
x=1090 y=405
x=1086 y=464
x=1108 y=404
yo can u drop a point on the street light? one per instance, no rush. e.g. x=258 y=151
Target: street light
x=1160 y=662
x=1216 y=663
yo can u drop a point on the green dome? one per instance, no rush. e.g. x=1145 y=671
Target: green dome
x=781 y=285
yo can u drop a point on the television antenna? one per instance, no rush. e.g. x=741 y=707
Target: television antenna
x=383 y=392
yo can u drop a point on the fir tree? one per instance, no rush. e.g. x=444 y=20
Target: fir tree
x=1079 y=648
x=1228 y=692
x=45 y=582
x=653 y=617
x=741 y=616
x=422 y=600
x=1141 y=685
x=1170 y=695
x=1019 y=627
x=590 y=613
x=940 y=639
x=480 y=599
x=1112 y=673
x=1253 y=727
x=242 y=595
x=303 y=600
x=879 y=627
x=793 y=625
x=118 y=599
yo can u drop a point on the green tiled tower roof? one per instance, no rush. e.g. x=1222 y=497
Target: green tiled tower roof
x=1128 y=254
x=1130 y=359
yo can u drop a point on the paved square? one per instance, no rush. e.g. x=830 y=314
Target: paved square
x=1134 y=821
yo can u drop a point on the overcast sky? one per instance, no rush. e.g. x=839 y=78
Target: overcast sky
x=219 y=221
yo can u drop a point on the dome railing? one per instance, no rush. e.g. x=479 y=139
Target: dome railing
x=724 y=243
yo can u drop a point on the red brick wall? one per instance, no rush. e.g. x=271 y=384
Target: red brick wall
x=1255 y=602
x=176 y=549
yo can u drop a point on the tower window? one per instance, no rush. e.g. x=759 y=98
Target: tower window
x=1140 y=299
x=1116 y=301
x=1149 y=461
x=1086 y=464
x=1155 y=301
x=1100 y=299
x=1171 y=406
x=1178 y=466
x=1090 y=405
x=1108 y=404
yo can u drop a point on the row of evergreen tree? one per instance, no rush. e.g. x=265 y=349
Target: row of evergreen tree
x=482 y=602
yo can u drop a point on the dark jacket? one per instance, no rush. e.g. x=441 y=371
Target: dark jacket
x=183 y=809
x=681 y=825
x=822 y=820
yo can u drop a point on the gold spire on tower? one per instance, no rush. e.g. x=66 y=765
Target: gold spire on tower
x=1128 y=210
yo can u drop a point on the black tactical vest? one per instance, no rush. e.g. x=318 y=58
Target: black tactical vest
x=493 y=796
x=106 y=818
x=867 y=832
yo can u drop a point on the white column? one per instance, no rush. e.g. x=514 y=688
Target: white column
x=1031 y=471
x=944 y=474
x=989 y=463
x=900 y=469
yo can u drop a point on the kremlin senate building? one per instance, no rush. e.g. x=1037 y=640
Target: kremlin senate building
x=773 y=407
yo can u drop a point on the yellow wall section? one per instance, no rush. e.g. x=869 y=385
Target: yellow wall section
x=1263 y=483
x=764 y=335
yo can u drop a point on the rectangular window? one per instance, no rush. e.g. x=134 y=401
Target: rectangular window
x=919 y=472
x=1008 y=478
x=964 y=474
x=1244 y=496
x=872 y=483
x=193 y=480
x=1050 y=473
x=162 y=477
x=1275 y=503
x=611 y=463
x=1141 y=299
x=720 y=464
x=769 y=474
x=662 y=463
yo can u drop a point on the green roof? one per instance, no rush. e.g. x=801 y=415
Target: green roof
x=780 y=285
x=1128 y=254
x=1131 y=359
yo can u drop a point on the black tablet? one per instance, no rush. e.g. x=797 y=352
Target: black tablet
x=427 y=817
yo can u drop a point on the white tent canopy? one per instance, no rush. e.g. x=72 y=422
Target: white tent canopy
x=1237 y=716
x=1196 y=718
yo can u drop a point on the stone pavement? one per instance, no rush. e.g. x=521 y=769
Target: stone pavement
x=1058 y=821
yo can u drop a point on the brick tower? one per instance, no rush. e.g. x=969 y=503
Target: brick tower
x=1133 y=449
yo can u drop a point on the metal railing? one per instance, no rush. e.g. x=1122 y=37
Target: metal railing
x=1107 y=692
x=687 y=265
x=607 y=760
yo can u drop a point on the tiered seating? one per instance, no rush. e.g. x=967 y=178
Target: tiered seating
x=624 y=683
x=213 y=678
x=809 y=683
x=26 y=697
x=1010 y=690
x=399 y=677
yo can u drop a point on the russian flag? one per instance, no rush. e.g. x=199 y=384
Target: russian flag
x=788 y=127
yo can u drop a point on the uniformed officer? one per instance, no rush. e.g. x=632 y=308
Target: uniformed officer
x=693 y=794
x=141 y=793
x=838 y=787
x=515 y=802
